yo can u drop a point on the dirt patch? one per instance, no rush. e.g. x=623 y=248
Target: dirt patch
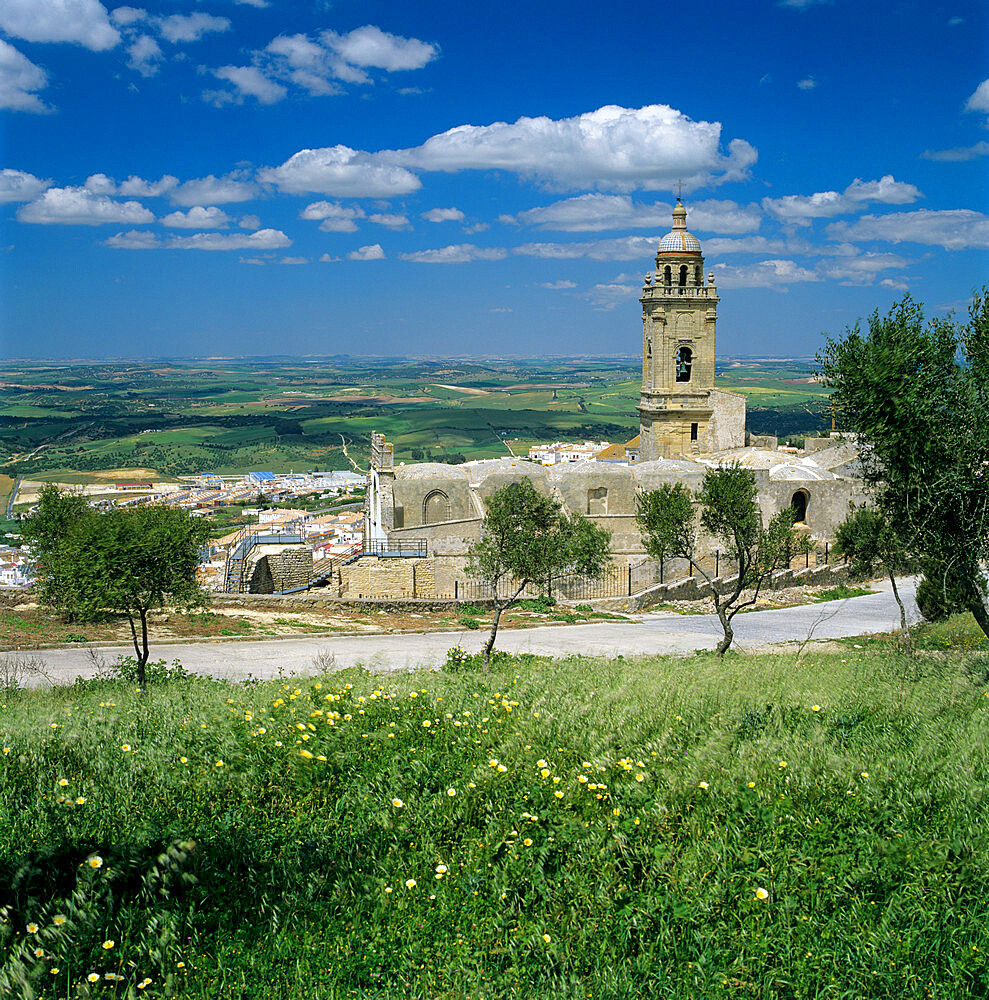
x=23 y=625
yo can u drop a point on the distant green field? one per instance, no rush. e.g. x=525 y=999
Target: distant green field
x=182 y=418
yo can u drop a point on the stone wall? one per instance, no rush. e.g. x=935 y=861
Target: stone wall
x=696 y=588
x=387 y=577
x=271 y=568
x=726 y=428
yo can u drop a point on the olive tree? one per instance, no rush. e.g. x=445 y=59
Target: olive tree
x=127 y=561
x=525 y=539
x=916 y=392
x=871 y=545
x=47 y=530
x=729 y=513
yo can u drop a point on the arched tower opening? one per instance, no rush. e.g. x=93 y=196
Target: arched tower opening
x=685 y=357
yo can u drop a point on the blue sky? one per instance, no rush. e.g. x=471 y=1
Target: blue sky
x=281 y=177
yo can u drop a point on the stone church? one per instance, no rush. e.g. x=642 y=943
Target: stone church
x=687 y=425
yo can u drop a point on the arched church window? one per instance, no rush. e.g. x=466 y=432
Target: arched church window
x=436 y=508
x=648 y=348
x=698 y=279
x=668 y=274
x=684 y=358
x=683 y=274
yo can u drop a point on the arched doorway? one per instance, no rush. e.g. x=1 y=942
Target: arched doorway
x=683 y=275
x=799 y=502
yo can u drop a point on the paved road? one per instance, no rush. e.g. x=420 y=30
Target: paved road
x=661 y=632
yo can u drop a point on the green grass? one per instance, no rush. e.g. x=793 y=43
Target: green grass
x=841 y=592
x=863 y=822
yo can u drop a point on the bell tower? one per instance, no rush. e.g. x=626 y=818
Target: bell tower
x=679 y=315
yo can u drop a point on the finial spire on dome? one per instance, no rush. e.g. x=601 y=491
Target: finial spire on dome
x=679 y=215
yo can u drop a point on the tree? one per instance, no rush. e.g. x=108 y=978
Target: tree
x=917 y=394
x=871 y=544
x=127 y=561
x=729 y=513
x=47 y=530
x=526 y=538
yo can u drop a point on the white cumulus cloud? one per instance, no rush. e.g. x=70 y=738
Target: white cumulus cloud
x=341 y=172
x=372 y=47
x=979 y=101
x=391 y=220
x=862 y=269
x=621 y=248
x=76 y=206
x=198 y=218
x=263 y=239
x=951 y=229
x=84 y=22
x=459 y=253
x=372 y=252
x=775 y=274
x=137 y=187
x=334 y=217
x=316 y=65
x=212 y=190
x=248 y=81
x=143 y=55
x=19 y=81
x=595 y=212
x=126 y=16
x=443 y=215
x=796 y=208
x=18 y=185
x=558 y=286
x=190 y=27
x=957 y=154
x=136 y=239
x=613 y=148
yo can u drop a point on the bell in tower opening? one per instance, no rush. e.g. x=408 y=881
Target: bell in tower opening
x=681 y=412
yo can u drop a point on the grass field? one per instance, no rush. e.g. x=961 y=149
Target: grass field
x=672 y=828
x=234 y=416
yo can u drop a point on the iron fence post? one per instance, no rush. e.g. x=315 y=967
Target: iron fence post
x=826 y=554
x=662 y=561
x=717 y=562
x=456 y=588
x=630 y=581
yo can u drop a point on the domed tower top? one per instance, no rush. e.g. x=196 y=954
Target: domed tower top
x=678 y=240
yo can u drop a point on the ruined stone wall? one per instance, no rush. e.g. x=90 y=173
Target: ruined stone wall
x=271 y=568
x=726 y=428
x=387 y=577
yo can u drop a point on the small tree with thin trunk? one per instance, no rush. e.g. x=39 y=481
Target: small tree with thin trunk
x=47 y=530
x=729 y=513
x=871 y=545
x=525 y=539
x=129 y=561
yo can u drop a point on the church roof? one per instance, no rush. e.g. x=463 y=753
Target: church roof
x=679 y=241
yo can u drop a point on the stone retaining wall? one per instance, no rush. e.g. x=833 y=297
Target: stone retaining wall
x=696 y=588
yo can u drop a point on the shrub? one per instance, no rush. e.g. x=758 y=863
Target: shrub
x=469 y=623
x=941 y=597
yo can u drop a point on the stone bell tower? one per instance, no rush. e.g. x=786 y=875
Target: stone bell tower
x=681 y=412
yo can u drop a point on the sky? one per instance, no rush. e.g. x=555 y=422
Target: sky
x=279 y=177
